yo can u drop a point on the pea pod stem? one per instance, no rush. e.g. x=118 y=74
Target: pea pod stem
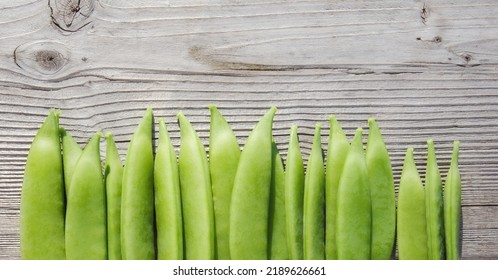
x=197 y=202
x=452 y=206
x=42 y=208
x=251 y=194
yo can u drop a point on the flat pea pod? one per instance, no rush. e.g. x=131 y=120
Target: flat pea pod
x=434 y=206
x=86 y=232
x=42 y=196
x=382 y=194
x=137 y=201
x=224 y=155
x=196 y=192
x=71 y=152
x=277 y=231
x=412 y=225
x=314 y=202
x=113 y=175
x=354 y=216
x=294 y=196
x=452 y=206
x=338 y=147
x=251 y=194
x=167 y=197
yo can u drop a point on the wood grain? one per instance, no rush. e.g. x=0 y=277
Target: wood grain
x=423 y=69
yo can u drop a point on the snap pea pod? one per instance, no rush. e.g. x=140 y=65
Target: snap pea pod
x=224 y=154
x=197 y=198
x=434 y=206
x=277 y=247
x=113 y=183
x=314 y=202
x=42 y=195
x=452 y=206
x=382 y=194
x=251 y=194
x=354 y=216
x=86 y=232
x=167 y=197
x=137 y=201
x=412 y=225
x=338 y=148
x=294 y=196
x=71 y=152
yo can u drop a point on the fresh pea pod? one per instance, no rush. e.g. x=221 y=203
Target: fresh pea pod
x=412 y=225
x=277 y=247
x=168 y=204
x=42 y=195
x=354 y=216
x=452 y=206
x=294 y=196
x=113 y=184
x=434 y=206
x=338 y=148
x=382 y=194
x=71 y=152
x=197 y=198
x=314 y=202
x=86 y=232
x=224 y=154
x=251 y=194
x=137 y=201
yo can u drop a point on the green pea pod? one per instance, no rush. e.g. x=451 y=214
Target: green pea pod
x=168 y=204
x=277 y=247
x=137 y=201
x=251 y=194
x=71 y=152
x=42 y=195
x=314 y=202
x=113 y=184
x=197 y=198
x=412 y=225
x=382 y=194
x=452 y=207
x=354 y=217
x=434 y=206
x=86 y=232
x=224 y=154
x=338 y=147
x=294 y=196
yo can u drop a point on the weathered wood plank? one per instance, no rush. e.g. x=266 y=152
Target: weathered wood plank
x=423 y=69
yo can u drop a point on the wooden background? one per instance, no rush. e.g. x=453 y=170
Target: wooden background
x=423 y=69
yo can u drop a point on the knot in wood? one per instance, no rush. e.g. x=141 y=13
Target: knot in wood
x=51 y=60
x=42 y=57
x=71 y=15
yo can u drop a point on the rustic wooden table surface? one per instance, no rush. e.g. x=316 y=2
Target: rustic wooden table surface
x=423 y=69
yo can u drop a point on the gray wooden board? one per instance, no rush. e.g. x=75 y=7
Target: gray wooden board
x=423 y=69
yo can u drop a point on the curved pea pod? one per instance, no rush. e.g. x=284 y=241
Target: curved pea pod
x=251 y=194
x=452 y=207
x=71 y=152
x=434 y=206
x=294 y=196
x=197 y=198
x=42 y=195
x=113 y=184
x=86 y=232
x=338 y=147
x=382 y=194
x=314 y=202
x=224 y=154
x=137 y=201
x=168 y=205
x=277 y=243
x=354 y=216
x=412 y=225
